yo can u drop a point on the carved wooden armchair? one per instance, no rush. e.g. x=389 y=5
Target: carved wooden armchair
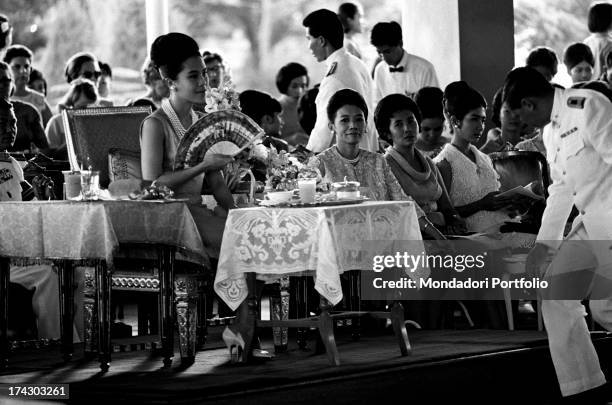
x=93 y=134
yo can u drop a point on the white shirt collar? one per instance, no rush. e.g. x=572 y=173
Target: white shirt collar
x=403 y=61
x=335 y=56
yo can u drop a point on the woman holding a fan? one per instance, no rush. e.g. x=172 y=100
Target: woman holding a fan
x=180 y=64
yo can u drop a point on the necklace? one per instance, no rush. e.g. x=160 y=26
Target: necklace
x=179 y=130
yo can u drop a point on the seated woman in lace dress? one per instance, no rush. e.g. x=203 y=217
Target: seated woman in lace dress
x=397 y=120
x=347 y=113
x=468 y=174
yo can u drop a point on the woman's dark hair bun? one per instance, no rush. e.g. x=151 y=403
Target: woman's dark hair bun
x=169 y=51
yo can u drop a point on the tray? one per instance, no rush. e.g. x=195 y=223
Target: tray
x=300 y=204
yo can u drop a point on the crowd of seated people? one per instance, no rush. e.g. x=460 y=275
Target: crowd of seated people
x=430 y=147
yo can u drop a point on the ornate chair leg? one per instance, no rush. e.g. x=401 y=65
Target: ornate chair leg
x=66 y=284
x=103 y=314
x=166 y=297
x=185 y=292
x=90 y=335
x=326 y=330
x=5 y=275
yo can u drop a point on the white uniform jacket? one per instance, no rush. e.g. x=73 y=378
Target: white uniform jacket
x=344 y=72
x=578 y=144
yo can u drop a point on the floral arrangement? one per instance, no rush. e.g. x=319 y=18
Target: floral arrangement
x=223 y=98
x=284 y=170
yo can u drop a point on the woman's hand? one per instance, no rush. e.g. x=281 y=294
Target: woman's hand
x=491 y=202
x=215 y=161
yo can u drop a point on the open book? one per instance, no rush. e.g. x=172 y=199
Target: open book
x=521 y=190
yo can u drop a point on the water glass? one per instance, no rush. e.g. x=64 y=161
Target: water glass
x=308 y=188
x=90 y=183
x=72 y=184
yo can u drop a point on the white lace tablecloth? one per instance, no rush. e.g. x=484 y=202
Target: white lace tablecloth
x=94 y=230
x=324 y=240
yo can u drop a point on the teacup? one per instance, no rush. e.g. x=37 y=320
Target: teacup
x=277 y=197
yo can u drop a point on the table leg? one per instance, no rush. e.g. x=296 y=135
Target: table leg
x=399 y=327
x=186 y=316
x=66 y=298
x=103 y=313
x=166 y=302
x=5 y=276
x=279 y=311
x=202 y=326
x=301 y=300
x=326 y=329
x=355 y=302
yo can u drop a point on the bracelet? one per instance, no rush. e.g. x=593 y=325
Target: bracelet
x=426 y=225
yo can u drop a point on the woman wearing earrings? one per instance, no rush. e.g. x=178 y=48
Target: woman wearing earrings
x=348 y=113
x=468 y=174
x=178 y=59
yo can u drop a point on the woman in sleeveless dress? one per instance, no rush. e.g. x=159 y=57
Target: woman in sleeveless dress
x=468 y=174
x=180 y=64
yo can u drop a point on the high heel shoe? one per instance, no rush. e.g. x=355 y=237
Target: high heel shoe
x=235 y=344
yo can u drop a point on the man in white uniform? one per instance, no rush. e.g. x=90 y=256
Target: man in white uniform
x=325 y=40
x=399 y=72
x=578 y=140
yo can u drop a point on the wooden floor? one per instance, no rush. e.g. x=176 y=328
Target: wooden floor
x=469 y=366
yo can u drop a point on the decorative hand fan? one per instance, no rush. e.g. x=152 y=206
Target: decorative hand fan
x=226 y=132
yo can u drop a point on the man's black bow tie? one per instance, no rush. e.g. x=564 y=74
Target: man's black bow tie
x=396 y=69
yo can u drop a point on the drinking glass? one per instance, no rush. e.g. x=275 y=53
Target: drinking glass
x=307 y=189
x=72 y=184
x=90 y=182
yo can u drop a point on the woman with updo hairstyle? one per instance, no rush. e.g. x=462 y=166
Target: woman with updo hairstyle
x=83 y=93
x=178 y=60
x=397 y=119
x=292 y=82
x=347 y=112
x=180 y=65
x=468 y=174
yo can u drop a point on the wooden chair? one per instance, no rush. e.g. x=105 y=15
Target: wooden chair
x=92 y=132
x=519 y=168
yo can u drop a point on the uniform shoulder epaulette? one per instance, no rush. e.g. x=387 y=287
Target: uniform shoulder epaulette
x=332 y=69
x=576 y=102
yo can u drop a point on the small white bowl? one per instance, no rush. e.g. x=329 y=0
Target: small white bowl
x=277 y=197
